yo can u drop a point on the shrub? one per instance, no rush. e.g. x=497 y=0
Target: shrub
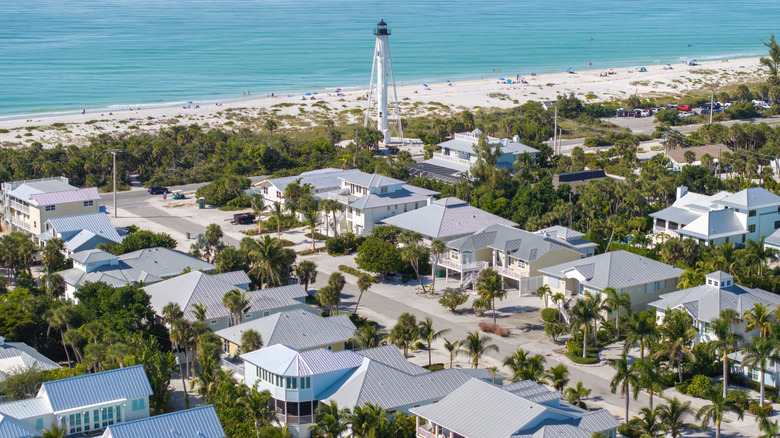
x=241 y=201
x=418 y=346
x=286 y=243
x=489 y=327
x=758 y=410
x=405 y=278
x=434 y=367
x=288 y=222
x=343 y=244
x=627 y=431
x=223 y=189
x=582 y=361
x=318 y=236
x=309 y=251
x=350 y=270
x=699 y=386
x=551 y=315
x=452 y=298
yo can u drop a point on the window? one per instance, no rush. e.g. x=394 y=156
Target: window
x=384 y=189
x=39 y=424
x=213 y=321
x=89 y=203
x=135 y=405
x=266 y=312
x=752 y=213
x=777 y=224
x=51 y=207
x=357 y=212
x=743 y=238
x=752 y=228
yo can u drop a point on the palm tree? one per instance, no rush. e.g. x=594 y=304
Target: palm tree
x=559 y=376
x=331 y=206
x=181 y=333
x=613 y=302
x=475 y=346
x=171 y=312
x=328 y=297
x=251 y=340
x=770 y=429
x=714 y=412
x=405 y=332
x=533 y=370
x=543 y=292
x=648 y=422
x=364 y=282
x=453 y=348
x=678 y=333
x=310 y=218
x=58 y=317
x=626 y=378
x=650 y=378
x=306 y=271
x=367 y=420
x=256 y=404
x=490 y=287
x=258 y=207
x=673 y=415
x=517 y=361
x=268 y=259
x=437 y=249
x=726 y=338
x=429 y=334
x=199 y=311
x=54 y=432
x=237 y=303
x=329 y=421
x=412 y=252
x=641 y=328
x=760 y=254
x=725 y=258
x=368 y=336
x=761 y=352
x=575 y=395
x=583 y=313
x=758 y=318
x=277 y=213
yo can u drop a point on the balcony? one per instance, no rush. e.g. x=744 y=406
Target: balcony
x=294 y=419
x=462 y=267
x=425 y=433
x=344 y=199
x=19 y=207
x=511 y=273
x=458 y=160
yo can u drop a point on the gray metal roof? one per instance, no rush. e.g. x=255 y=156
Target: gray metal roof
x=199 y=422
x=618 y=269
x=97 y=223
x=461 y=144
x=91 y=389
x=299 y=329
x=64 y=197
x=12 y=428
x=320 y=179
x=28 y=408
x=751 y=199
x=534 y=392
x=84 y=240
x=92 y=256
x=369 y=179
x=276 y=297
x=520 y=244
x=773 y=239
x=407 y=194
x=192 y=288
x=705 y=302
x=392 y=357
x=713 y=225
x=285 y=361
x=18 y=355
x=448 y=217
x=26 y=190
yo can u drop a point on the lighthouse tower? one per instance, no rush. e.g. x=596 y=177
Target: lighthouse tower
x=383 y=67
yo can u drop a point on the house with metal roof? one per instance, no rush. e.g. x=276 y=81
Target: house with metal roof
x=319 y=181
x=81 y=232
x=517 y=255
x=299 y=381
x=457 y=156
x=10 y=427
x=200 y=422
x=704 y=303
x=85 y=404
x=446 y=219
x=299 y=329
x=724 y=217
x=145 y=266
x=369 y=198
x=677 y=155
x=28 y=204
x=643 y=279
x=193 y=288
x=479 y=409
x=18 y=356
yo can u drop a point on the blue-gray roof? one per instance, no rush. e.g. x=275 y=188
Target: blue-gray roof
x=319 y=179
x=370 y=179
x=520 y=244
x=407 y=194
x=199 y=422
x=90 y=389
x=12 y=428
x=97 y=223
x=446 y=218
x=15 y=355
x=713 y=225
x=751 y=199
x=195 y=287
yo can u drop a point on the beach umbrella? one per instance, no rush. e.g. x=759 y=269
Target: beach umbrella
x=338 y=89
x=449 y=81
x=425 y=85
x=314 y=93
x=307 y=94
x=190 y=102
x=501 y=79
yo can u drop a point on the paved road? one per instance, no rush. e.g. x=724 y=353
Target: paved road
x=595 y=378
x=134 y=201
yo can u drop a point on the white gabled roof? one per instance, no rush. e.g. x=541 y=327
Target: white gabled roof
x=713 y=225
x=751 y=199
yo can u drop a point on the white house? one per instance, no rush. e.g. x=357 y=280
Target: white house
x=643 y=279
x=18 y=356
x=145 y=266
x=300 y=381
x=200 y=422
x=724 y=217
x=370 y=198
x=457 y=156
x=81 y=232
x=704 y=303
x=87 y=403
x=320 y=181
x=479 y=409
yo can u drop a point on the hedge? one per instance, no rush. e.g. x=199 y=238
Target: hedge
x=350 y=270
x=551 y=315
x=590 y=360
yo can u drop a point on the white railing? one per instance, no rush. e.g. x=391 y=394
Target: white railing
x=462 y=266
x=509 y=272
x=19 y=223
x=424 y=433
x=346 y=199
x=19 y=207
x=442 y=156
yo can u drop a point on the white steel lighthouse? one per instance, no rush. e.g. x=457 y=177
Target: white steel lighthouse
x=383 y=66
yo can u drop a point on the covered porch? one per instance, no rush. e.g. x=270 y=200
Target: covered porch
x=428 y=429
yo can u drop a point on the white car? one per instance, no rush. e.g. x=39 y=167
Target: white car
x=687 y=114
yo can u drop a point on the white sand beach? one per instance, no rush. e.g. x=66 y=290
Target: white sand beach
x=291 y=112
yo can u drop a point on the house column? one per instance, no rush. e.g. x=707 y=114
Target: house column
x=446 y=275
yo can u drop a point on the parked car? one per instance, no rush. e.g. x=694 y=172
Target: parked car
x=684 y=107
x=644 y=113
x=157 y=190
x=687 y=113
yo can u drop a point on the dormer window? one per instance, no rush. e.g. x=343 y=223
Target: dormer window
x=709 y=282
x=384 y=189
x=715 y=283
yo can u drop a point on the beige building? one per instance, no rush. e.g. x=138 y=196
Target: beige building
x=28 y=204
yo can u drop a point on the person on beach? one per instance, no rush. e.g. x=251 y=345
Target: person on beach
x=83 y=111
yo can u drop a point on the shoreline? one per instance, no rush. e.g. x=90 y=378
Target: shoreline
x=415 y=100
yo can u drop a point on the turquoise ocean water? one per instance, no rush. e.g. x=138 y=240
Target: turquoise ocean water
x=62 y=56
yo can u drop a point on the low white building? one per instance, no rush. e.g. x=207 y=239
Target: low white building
x=18 y=356
x=724 y=217
x=704 y=303
x=87 y=403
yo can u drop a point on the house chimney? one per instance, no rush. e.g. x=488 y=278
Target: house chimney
x=681 y=191
x=516 y=139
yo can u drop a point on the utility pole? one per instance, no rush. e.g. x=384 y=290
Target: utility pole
x=712 y=104
x=555 y=132
x=114 y=152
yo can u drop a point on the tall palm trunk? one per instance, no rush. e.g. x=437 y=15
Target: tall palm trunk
x=726 y=373
x=628 y=399
x=585 y=341
x=65 y=346
x=617 y=321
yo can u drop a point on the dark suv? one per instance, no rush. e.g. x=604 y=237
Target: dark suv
x=157 y=190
